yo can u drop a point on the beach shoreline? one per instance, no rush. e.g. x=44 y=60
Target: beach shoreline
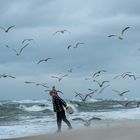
x=120 y=130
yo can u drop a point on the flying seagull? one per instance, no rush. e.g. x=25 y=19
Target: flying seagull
x=69 y=46
x=27 y=40
x=61 y=31
x=60 y=78
x=122 y=33
x=121 y=75
x=100 y=84
x=130 y=75
x=58 y=91
x=6 y=75
x=7 y=29
x=78 y=44
x=121 y=93
x=101 y=90
x=37 y=84
x=124 y=104
x=87 y=123
x=18 y=52
x=84 y=97
x=96 y=74
x=44 y=60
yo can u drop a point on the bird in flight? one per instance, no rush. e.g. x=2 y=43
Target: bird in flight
x=121 y=75
x=27 y=40
x=59 y=78
x=44 y=60
x=131 y=75
x=7 y=29
x=121 y=93
x=69 y=46
x=37 y=84
x=122 y=33
x=84 y=97
x=6 y=75
x=58 y=91
x=88 y=122
x=96 y=74
x=124 y=103
x=101 y=90
x=78 y=44
x=61 y=31
x=18 y=52
x=100 y=84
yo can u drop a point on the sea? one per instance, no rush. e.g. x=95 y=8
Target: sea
x=19 y=118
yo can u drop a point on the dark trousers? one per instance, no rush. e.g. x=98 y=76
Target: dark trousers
x=61 y=116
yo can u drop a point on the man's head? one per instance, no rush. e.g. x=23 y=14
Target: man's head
x=53 y=92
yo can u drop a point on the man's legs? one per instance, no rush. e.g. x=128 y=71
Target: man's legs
x=59 y=121
x=65 y=119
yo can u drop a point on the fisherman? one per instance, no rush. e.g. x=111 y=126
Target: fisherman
x=58 y=106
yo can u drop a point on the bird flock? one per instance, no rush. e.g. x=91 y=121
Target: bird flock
x=99 y=83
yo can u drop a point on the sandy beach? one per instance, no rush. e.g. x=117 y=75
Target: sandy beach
x=126 y=130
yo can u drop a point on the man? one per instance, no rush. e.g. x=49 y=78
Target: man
x=58 y=106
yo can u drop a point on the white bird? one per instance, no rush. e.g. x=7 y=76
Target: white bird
x=121 y=93
x=84 y=97
x=61 y=31
x=96 y=74
x=121 y=35
x=58 y=91
x=121 y=75
x=7 y=29
x=18 y=52
x=60 y=78
x=87 y=123
x=44 y=60
x=78 y=44
x=131 y=75
x=37 y=84
x=100 y=84
x=101 y=90
x=6 y=75
x=27 y=40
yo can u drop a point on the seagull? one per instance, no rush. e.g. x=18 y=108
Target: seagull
x=60 y=78
x=96 y=74
x=69 y=46
x=37 y=84
x=25 y=40
x=121 y=75
x=6 y=75
x=100 y=84
x=87 y=123
x=18 y=52
x=124 y=104
x=131 y=75
x=45 y=60
x=7 y=29
x=122 y=33
x=58 y=91
x=61 y=31
x=124 y=30
x=121 y=93
x=77 y=44
x=103 y=88
x=84 y=97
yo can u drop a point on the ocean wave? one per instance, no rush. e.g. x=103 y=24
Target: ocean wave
x=34 y=108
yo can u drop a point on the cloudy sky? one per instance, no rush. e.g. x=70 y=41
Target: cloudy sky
x=90 y=22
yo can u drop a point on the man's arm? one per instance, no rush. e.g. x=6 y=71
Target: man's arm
x=62 y=102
